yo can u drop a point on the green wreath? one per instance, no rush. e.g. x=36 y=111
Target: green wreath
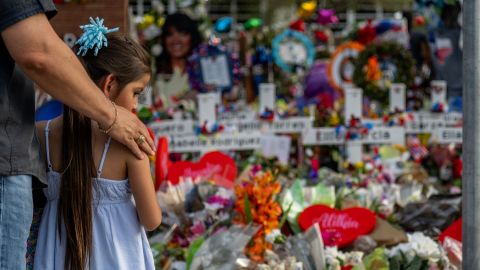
x=366 y=76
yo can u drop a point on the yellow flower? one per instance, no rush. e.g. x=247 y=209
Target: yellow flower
x=160 y=21
x=148 y=20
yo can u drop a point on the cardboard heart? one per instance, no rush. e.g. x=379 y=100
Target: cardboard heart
x=339 y=228
x=214 y=166
x=387 y=235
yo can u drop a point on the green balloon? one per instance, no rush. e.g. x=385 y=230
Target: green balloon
x=253 y=23
x=145 y=114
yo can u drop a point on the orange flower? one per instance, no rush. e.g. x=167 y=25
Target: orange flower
x=260 y=191
x=373 y=69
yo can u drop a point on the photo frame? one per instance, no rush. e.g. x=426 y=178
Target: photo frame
x=212 y=68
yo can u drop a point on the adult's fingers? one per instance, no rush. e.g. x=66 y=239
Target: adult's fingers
x=133 y=146
x=128 y=128
x=148 y=146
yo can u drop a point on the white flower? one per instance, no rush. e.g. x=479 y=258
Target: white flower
x=332 y=256
x=272 y=236
x=406 y=249
x=156 y=49
x=354 y=257
x=213 y=207
x=424 y=246
x=420 y=245
x=224 y=193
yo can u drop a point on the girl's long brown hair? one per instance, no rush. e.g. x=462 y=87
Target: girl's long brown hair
x=127 y=61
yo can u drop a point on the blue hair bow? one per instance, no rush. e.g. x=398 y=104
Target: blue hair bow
x=94 y=36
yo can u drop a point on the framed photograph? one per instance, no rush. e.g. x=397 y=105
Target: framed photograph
x=213 y=68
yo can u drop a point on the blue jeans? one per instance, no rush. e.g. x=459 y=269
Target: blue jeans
x=16 y=210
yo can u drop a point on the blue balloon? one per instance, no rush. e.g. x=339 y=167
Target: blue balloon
x=456 y=104
x=224 y=25
x=384 y=26
x=49 y=110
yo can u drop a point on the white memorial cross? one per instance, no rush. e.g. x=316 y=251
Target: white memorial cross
x=267 y=97
x=353 y=108
x=207 y=104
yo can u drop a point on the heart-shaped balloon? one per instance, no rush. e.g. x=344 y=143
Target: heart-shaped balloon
x=339 y=228
x=214 y=166
x=298 y=25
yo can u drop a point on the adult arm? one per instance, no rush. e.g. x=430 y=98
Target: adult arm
x=48 y=61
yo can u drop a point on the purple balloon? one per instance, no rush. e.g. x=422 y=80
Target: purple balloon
x=326 y=16
x=316 y=81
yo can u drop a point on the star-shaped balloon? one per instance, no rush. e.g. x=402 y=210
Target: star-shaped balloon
x=326 y=16
x=307 y=9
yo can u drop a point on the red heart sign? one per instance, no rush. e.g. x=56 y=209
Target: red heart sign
x=339 y=228
x=453 y=231
x=162 y=162
x=214 y=166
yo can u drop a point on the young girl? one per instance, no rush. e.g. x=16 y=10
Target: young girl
x=90 y=221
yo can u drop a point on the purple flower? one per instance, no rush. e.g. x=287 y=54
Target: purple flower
x=218 y=200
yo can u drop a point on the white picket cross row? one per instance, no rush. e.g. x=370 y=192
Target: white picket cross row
x=248 y=129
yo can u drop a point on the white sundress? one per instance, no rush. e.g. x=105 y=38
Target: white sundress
x=119 y=240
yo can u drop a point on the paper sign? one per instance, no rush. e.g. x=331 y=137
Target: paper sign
x=317 y=249
x=377 y=135
x=453 y=118
x=168 y=127
x=215 y=70
x=439 y=92
x=228 y=117
x=189 y=144
x=397 y=97
x=427 y=122
x=385 y=135
x=267 y=97
x=423 y=127
x=449 y=135
x=207 y=104
x=276 y=146
x=321 y=136
x=289 y=125
x=353 y=103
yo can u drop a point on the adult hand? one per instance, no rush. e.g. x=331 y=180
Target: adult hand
x=128 y=129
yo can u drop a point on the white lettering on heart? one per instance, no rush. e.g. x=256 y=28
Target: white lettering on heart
x=334 y=220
